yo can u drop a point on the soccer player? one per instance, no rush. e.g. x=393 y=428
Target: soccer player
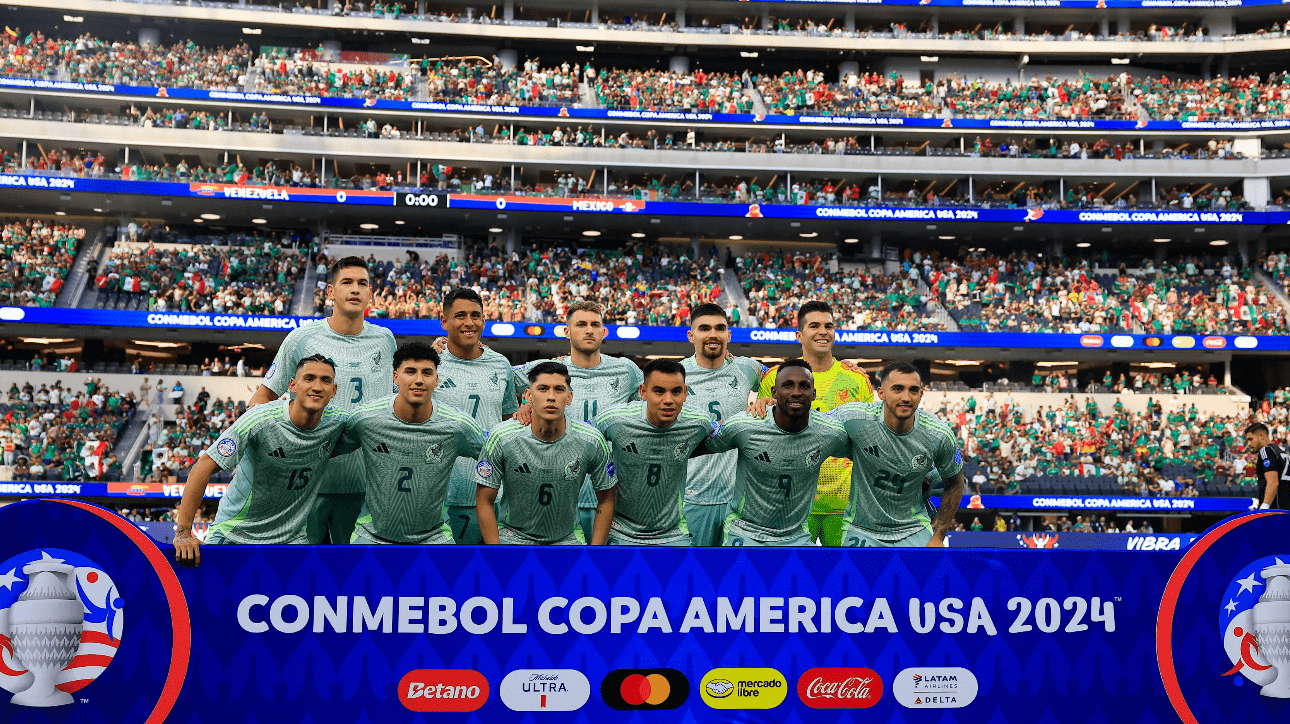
x=480 y=383
x=719 y=385
x=836 y=383
x=780 y=457
x=282 y=450
x=1273 y=468
x=362 y=352
x=540 y=469
x=651 y=440
x=599 y=381
x=410 y=446
x=894 y=445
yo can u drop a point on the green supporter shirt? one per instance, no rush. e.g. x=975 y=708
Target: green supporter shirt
x=484 y=389
x=541 y=480
x=364 y=371
x=650 y=464
x=614 y=381
x=720 y=393
x=777 y=472
x=280 y=469
x=408 y=467
x=888 y=469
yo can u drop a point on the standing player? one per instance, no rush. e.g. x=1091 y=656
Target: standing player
x=893 y=447
x=479 y=382
x=651 y=440
x=410 y=446
x=282 y=450
x=541 y=468
x=780 y=457
x=720 y=386
x=1273 y=468
x=836 y=383
x=362 y=352
x=599 y=381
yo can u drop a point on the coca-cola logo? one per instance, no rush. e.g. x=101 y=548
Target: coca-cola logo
x=1214 y=342
x=1091 y=340
x=840 y=688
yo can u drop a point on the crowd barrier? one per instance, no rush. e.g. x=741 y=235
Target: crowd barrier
x=98 y=625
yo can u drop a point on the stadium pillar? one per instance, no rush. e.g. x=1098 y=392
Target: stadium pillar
x=1218 y=24
x=421 y=7
x=1056 y=249
x=680 y=15
x=331 y=49
x=850 y=21
x=509 y=58
x=679 y=64
x=971 y=190
x=936 y=24
x=875 y=246
x=1105 y=29
x=24 y=154
x=1256 y=191
x=508 y=10
x=149 y=36
x=846 y=68
x=1019 y=25
x=1224 y=66
x=765 y=18
x=1122 y=25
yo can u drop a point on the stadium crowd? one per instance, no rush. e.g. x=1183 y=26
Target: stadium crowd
x=477 y=81
x=281 y=72
x=52 y=432
x=657 y=90
x=170 y=450
x=35 y=258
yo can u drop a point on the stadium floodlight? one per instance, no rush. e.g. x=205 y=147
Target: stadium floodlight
x=947 y=238
x=1218 y=242
x=400 y=222
x=1083 y=245
x=211 y=217
x=1162 y=241
x=199 y=221
x=60 y=213
x=259 y=221
x=252 y=31
x=585 y=48
x=638 y=235
x=736 y=237
x=420 y=41
x=930 y=58
x=495 y=230
x=591 y=232
x=97 y=210
x=73 y=18
x=850 y=241
x=369 y=226
x=809 y=235
x=1119 y=61
x=748 y=54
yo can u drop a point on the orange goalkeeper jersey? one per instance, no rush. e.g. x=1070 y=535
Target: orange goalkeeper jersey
x=836 y=386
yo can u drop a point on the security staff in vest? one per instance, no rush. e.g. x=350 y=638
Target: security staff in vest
x=1271 y=468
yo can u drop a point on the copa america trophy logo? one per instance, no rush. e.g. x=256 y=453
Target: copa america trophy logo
x=59 y=627
x=1256 y=624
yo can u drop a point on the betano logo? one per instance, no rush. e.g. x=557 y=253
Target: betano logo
x=738 y=688
x=628 y=689
x=443 y=690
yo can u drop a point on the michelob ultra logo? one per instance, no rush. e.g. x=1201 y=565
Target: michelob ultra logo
x=737 y=688
x=545 y=690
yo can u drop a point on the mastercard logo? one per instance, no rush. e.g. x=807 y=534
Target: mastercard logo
x=1152 y=341
x=534 y=330
x=634 y=689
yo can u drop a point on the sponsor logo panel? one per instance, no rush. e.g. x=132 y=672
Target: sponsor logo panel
x=743 y=688
x=544 y=690
x=840 y=688
x=628 y=689
x=934 y=687
x=443 y=690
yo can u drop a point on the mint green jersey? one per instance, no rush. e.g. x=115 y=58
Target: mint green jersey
x=650 y=464
x=888 y=469
x=408 y=467
x=615 y=380
x=541 y=480
x=484 y=389
x=364 y=371
x=280 y=469
x=777 y=472
x=719 y=393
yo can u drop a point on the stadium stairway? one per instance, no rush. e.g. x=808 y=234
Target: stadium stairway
x=1277 y=292
x=588 y=93
x=302 y=300
x=759 y=103
x=91 y=298
x=734 y=292
x=78 y=285
x=935 y=307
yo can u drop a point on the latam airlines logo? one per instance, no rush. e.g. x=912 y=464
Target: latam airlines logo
x=60 y=625
x=1255 y=618
x=934 y=687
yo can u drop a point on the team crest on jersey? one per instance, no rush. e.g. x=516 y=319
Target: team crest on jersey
x=484 y=468
x=273 y=370
x=613 y=385
x=920 y=460
x=376 y=361
x=571 y=470
x=682 y=451
x=814 y=457
x=434 y=452
x=226 y=447
x=734 y=383
x=493 y=379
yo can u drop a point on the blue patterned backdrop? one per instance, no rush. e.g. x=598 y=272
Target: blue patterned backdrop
x=1089 y=675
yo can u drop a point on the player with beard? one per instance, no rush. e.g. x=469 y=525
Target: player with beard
x=720 y=386
x=1272 y=468
x=894 y=445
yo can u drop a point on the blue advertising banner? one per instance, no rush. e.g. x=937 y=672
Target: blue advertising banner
x=98 y=625
x=627 y=333
x=603 y=114
x=1091 y=4
x=1040 y=539
x=434 y=202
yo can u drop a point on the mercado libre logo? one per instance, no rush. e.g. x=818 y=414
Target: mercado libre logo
x=1254 y=618
x=61 y=618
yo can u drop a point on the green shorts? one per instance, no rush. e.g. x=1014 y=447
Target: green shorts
x=859 y=538
x=215 y=538
x=825 y=528
x=705 y=523
x=333 y=516
x=736 y=537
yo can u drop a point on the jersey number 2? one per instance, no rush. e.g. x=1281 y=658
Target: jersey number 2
x=405 y=477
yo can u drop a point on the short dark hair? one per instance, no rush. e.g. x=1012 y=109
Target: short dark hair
x=348 y=262
x=814 y=305
x=708 y=309
x=314 y=358
x=585 y=306
x=415 y=351
x=550 y=368
x=664 y=367
x=797 y=362
x=461 y=293
x=901 y=366
x=1256 y=428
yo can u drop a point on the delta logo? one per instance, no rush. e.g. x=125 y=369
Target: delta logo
x=1091 y=340
x=934 y=687
x=636 y=689
x=840 y=688
x=1214 y=342
x=443 y=690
